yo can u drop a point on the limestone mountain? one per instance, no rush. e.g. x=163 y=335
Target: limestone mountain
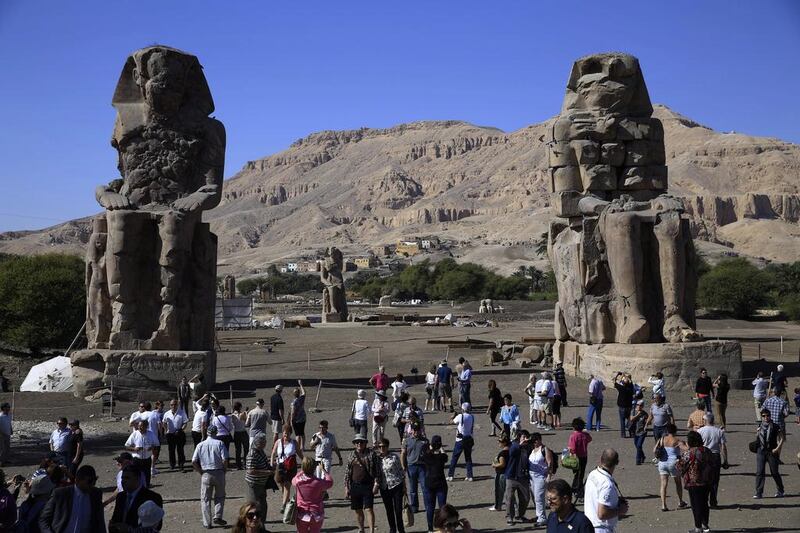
x=479 y=188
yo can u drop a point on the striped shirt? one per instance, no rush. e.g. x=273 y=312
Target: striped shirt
x=256 y=460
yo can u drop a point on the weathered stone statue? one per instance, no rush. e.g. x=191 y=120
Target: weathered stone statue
x=152 y=261
x=229 y=287
x=619 y=245
x=334 y=303
x=486 y=306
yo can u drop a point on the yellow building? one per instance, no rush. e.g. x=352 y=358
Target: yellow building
x=408 y=248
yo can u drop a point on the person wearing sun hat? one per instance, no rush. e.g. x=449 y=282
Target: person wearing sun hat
x=380 y=412
x=362 y=480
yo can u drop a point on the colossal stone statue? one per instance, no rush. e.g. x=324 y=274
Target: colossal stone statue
x=151 y=264
x=334 y=303
x=229 y=287
x=619 y=245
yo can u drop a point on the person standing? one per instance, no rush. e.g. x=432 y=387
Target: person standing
x=603 y=503
x=399 y=387
x=554 y=402
x=465 y=423
x=561 y=378
x=392 y=486
x=565 y=518
x=311 y=490
x=6 y=430
x=360 y=413
x=257 y=475
x=595 y=409
x=444 y=379
x=431 y=398
x=276 y=413
x=241 y=440
x=174 y=426
x=59 y=441
x=127 y=502
x=578 y=445
x=76 y=450
x=695 y=465
x=517 y=479
x=509 y=416
x=199 y=425
x=324 y=444
x=657 y=381
x=660 y=416
x=285 y=458
x=75 y=509
x=704 y=390
x=695 y=419
x=435 y=482
x=779 y=383
x=499 y=464
x=297 y=414
x=413 y=414
x=380 y=412
x=412 y=458
x=714 y=439
x=224 y=426
x=249 y=521
x=141 y=414
x=667 y=451
x=624 y=386
x=760 y=385
x=495 y=405
x=140 y=444
x=209 y=460
x=721 y=388
x=638 y=425
x=769 y=441
x=778 y=409
x=465 y=382
x=380 y=381
x=362 y=481
x=399 y=419
x=256 y=422
x=541 y=464
x=184 y=395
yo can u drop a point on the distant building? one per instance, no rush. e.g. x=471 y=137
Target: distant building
x=429 y=243
x=369 y=261
x=310 y=266
x=408 y=248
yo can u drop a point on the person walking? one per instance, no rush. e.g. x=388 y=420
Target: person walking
x=704 y=390
x=603 y=503
x=435 y=481
x=638 y=427
x=667 y=451
x=509 y=416
x=380 y=381
x=465 y=423
x=257 y=476
x=444 y=380
x=324 y=444
x=517 y=479
x=564 y=518
x=780 y=383
x=541 y=465
x=297 y=414
x=76 y=447
x=495 y=405
x=225 y=428
x=362 y=481
x=241 y=440
x=554 y=402
x=256 y=422
x=399 y=387
x=499 y=464
x=696 y=467
x=285 y=458
x=412 y=457
x=59 y=441
x=660 y=415
x=578 y=445
x=27 y=518
x=533 y=390
x=714 y=439
x=431 y=396
x=760 y=385
x=6 y=430
x=595 y=409
x=695 y=420
x=399 y=419
x=360 y=413
x=249 y=521
x=310 y=490
x=392 y=486
x=768 y=444
x=140 y=444
x=174 y=423
x=413 y=415
x=184 y=395
x=778 y=409
x=130 y=499
x=624 y=386
x=561 y=378
x=657 y=381
x=380 y=412
x=199 y=421
x=721 y=389
x=276 y=413
x=210 y=460
x=75 y=509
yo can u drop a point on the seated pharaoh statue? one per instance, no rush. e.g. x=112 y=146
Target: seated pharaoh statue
x=620 y=246
x=151 y=266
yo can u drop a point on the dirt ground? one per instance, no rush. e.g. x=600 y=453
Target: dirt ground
x=344 y=356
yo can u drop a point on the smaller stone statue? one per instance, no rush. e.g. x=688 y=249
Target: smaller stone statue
x=486 y=306
x=334 y=303
x=229 y=287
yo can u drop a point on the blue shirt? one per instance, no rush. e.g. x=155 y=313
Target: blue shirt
x=81 y=516
x=60 y=439
x=575 y=523
x=509 y=414
x=444 y=373
x=517 y=467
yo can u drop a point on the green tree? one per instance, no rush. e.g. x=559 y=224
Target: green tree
x=42 y=300
x=734 y=285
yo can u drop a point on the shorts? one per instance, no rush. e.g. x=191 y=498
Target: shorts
x=537 y=404
x=556 y=405
x=429 y=391
x=361 y=496
x=445 y=390
x=277 y=427
x=668 y=468
x=299 y=428
x=548 y=407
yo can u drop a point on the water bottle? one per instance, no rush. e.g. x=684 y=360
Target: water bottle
x=565 y=452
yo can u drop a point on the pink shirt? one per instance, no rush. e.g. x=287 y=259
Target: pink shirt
x=579 y=443
x=309 y=492
x=381 y=381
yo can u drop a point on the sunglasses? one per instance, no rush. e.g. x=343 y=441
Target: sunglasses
x=252 y=515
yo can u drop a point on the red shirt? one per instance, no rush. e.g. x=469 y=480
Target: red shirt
x=380 y=381
x=579 y=443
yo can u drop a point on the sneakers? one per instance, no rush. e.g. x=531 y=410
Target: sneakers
x=779 y=494
x=467 y=479
x=493 y=508
x=541 y=523
x=756 y=496
x=220 y=522
x=449 y=478
x=683 y=505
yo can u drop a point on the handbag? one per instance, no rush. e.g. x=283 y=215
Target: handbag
x=570 y=462
x=290 y=512
x=754 y=446
x=352 y=420
x=408 y=514
x=660 y=451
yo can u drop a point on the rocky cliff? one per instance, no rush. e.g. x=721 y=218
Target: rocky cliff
x=477 y=187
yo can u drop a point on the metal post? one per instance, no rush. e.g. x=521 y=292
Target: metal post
x=759 y=350
x=66 y=354
x=781 y=344
x=316 y=400
x=111 y=408
x=447 y=354
x=240 y=361
x=308 y=359
x=380 y=354
x=12 y=400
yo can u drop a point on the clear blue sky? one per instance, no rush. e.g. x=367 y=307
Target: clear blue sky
x=281 y=70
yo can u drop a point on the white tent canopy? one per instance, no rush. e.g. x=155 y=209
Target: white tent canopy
x=54 y=375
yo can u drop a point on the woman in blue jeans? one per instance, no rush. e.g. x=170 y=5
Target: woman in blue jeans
x=595 y=410
x=435 y=481
x=638 y=425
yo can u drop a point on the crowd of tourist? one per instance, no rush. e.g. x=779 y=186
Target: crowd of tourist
x=61 y=494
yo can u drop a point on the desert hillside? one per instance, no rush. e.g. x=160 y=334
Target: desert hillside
x=479 y=188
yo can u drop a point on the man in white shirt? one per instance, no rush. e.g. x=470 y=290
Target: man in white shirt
x=465 y=422
x=142 y=414
x=6 y=431
x=540 y=400
x=602 y=502
x=199 y=422
x=760 y=386
x=714 y=439
x=174 y=426
x=256 y=422
x=59 y=441
x=209 y=460
x=140 y=444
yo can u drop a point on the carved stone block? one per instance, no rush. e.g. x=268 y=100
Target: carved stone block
x=566 y=179
x=612 y=154
x=561 y=129
x=565 y=203
x=561 y=154
x=652 y=177
x=631 y=129
x=586 y=152
x=598 y=177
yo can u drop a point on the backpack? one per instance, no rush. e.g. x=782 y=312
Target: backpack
x=698 y=468
x=554 y=464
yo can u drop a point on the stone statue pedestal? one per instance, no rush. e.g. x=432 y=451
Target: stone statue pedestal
x=331 y=317
x=679 y=362
x=139 y=372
